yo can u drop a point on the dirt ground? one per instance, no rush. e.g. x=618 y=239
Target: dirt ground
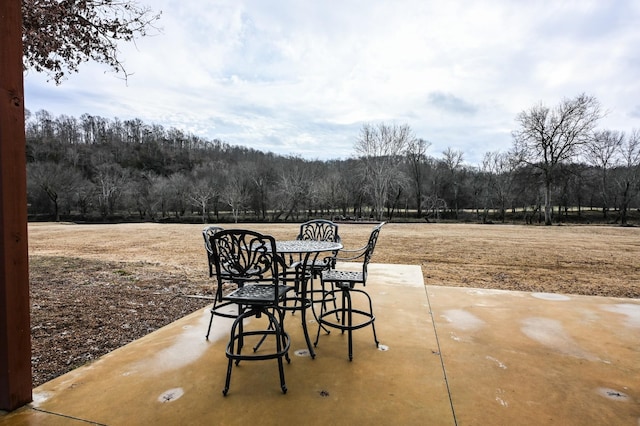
x=95 y=288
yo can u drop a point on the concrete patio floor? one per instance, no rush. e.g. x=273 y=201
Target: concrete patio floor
x=448 y=356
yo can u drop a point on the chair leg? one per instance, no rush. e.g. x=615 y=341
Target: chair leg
x=278 y=328
x=324 y=292
x=373 y=320
x=280 y=341
x=344 y=307
x=283 y=334
x=283 y=386
x=349 y=323
x=305 y=331
x=213 y=313
x=228 y=380
x=323 y=309
x=210 y=322
x=320 y=327
x=323 y=302
x=335 y=306
x=230 y=350
x=240 y=338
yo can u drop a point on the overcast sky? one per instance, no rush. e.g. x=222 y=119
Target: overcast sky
x=300 y=77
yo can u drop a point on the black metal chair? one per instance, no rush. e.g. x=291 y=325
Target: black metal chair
x=320 y=230
x=250 y=259
x=345 y=282
x=219 y=307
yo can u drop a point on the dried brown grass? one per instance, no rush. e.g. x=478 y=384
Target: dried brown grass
x=589 y=260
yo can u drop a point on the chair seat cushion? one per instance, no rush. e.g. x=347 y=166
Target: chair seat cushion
x=256 y=294
x=342 y=276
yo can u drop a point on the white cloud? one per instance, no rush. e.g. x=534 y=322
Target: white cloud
x=300 y=77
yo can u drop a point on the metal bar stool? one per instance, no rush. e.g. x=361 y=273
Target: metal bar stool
x=251 y=258
x=342 y=317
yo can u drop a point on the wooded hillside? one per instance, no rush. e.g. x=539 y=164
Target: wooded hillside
x=98 y=169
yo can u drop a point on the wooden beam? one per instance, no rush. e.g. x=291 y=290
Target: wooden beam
x=15 y=333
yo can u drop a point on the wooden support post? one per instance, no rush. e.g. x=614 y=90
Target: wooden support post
x=15 y=333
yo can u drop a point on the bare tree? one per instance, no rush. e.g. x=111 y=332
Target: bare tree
x=397 y=191
x=291 y=190
x=484 y=182
x=380 y=148
x=178 y=188
x=160 y=195
x=58 y=36
x=261 y=189
x=58 y=182
x=236 y=191
x=500 y=167
x=111 y=180
x=417 y=157
x=203 y=188
x=549 y=137
x=600 y=152
x=336 y=183
x=200 y=194
x=453 y=162
x=84 y=195
x=433 y=205
x=629 y=179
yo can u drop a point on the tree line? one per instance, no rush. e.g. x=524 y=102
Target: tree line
x=559 y=168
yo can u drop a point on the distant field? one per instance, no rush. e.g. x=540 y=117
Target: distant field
x=590 y=260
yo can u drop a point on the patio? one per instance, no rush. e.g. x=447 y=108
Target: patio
x=449 y=356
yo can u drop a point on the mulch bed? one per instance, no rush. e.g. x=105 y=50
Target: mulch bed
x=82 y=309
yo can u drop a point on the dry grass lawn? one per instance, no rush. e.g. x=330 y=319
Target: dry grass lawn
x=589 y=260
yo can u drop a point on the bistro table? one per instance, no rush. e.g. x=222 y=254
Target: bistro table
x=307 y=252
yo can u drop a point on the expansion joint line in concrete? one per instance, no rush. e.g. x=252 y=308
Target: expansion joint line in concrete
x=444 y=370
x=67 y=417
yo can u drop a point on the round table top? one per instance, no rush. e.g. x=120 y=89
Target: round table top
x=306 y=246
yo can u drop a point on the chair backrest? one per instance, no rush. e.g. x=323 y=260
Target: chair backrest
x=207 y=233
x=245 y=256
x=369 y=248
x=319 y=230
